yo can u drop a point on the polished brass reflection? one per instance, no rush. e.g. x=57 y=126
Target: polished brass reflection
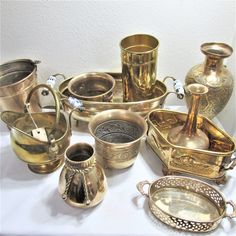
x=17 y=79
x=188 y=135
x=139 y=65
x=94 y=86
x=185 y=203
x=211 y=164
x=93 y=107
x=215 y=75
x=117 y=135
x=82 y=180
x=43 y=155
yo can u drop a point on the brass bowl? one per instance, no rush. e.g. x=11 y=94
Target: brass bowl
x=117 y=135
x=210 y=164
x=95 y=107
x=93 y=86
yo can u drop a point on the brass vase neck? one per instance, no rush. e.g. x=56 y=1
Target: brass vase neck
x=213 y=65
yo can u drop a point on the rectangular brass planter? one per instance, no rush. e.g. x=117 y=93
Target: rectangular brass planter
x=210 y=164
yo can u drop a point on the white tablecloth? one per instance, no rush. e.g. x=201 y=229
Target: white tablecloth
x=31 y=204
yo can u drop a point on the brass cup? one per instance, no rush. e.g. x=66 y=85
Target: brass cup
x=117 y=135
x=139 y=64
x=93 y=86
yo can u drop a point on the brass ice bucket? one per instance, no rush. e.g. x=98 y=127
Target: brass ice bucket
x=139 y=65
x=39 y=139
x=117 y=135
x=82 y=180
x=17 y=78
x=93 y=86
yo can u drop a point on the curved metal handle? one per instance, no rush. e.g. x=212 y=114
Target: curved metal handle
x=177 y=85
x=231 y=165
x=140 y=186
x=233 y=214
x=56 y=99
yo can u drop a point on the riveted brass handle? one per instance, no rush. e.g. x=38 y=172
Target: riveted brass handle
x=233 y=214
x=140 y=186
x=177 y=85
x=56 y=99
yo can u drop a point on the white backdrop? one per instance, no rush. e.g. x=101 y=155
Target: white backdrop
x=81 y=36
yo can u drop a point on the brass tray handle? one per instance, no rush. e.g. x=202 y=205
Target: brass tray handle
x=56 y=99
x=177 y=86
x=233 y=214
x=140 y=186
x=231 y=165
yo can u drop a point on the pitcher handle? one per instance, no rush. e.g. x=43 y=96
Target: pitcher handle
x=177 y=86
x=56 y=99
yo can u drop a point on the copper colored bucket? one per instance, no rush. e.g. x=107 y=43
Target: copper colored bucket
x=17 y=79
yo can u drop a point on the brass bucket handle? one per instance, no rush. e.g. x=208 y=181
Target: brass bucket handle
x=177 y=86
x=140 y=186
x=56 y=99
x=233 y=214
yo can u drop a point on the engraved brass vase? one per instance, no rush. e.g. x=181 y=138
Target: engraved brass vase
x=213 y=74
x=82 y=181
x=39 y=139
x=117 y=135
x=17 y=79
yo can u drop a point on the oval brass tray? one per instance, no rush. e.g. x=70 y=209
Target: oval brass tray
x=93 y=107
x=186 y=203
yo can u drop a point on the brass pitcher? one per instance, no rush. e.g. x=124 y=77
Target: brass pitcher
x=82 y=181
x=139 y=63
x=213 y=74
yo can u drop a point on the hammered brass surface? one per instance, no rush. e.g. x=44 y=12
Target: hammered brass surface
x=41 y=156
x=211 y=164
x=117 y=135
x=213 y=74
x=17 y=79
x=93 y=86
x=92 y=107
x=82 y=181
x=186 y=203
x=139 y=65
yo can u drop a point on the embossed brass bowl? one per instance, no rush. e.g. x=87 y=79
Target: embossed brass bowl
x=42 y=150
x=117 y=135
x=95 y=107
x=94 y=86
x=210 y=164
x=186 y=203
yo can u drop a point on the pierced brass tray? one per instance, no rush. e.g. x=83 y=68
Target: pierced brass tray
x=186 y=203
x=211 y=164
x=92 y=108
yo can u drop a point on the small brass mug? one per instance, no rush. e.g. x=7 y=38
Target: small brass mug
x=117 y=135
x=94 y=86
x=139 y=64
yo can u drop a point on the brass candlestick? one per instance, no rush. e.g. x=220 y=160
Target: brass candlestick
x=188 y=135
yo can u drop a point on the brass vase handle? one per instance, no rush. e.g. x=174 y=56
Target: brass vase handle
x=233 y=214
x=56 y=99
x=140 y=186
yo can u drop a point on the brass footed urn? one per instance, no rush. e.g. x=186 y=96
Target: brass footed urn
x=213 y=74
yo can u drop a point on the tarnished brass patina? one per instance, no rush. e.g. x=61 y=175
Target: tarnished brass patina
x=117 y=135
x=39 y=139
x=141 y=107
x=93 y=86
x=188 y=135
x=213 y=74
x=17 y=79
x=210 y=164
x=186 y=203
x=139 y=65
x=82 y=180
